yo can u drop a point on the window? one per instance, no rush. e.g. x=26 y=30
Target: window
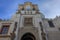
x=15 y=27
x=4 y=29
x=33 y=8
x=59 y=29
x=41 y=26
x=28 y=21
x=51 y=24
x=28 y=7
x=22 y=8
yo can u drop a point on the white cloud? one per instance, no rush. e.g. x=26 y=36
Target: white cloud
x=51 y=8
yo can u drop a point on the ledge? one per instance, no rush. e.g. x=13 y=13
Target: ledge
x=4 y=36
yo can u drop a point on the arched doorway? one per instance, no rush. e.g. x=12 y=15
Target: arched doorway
x=28 y=36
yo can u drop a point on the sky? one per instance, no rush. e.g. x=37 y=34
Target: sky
x=50 y=8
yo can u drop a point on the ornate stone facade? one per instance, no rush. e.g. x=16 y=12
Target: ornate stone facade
x=29 y=24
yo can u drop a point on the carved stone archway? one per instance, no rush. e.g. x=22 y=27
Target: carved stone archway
x=28 y=36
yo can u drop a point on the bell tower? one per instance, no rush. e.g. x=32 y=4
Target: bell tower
x=30 y=17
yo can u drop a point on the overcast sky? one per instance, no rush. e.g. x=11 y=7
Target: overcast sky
x=50 y=8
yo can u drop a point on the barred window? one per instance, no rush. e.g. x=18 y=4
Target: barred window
x=4 y=29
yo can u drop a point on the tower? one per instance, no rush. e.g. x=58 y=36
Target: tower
x=29 y=20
